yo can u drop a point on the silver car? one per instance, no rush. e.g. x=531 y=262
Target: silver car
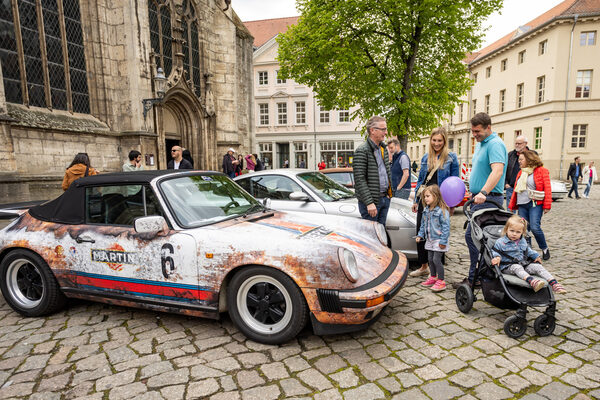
x=313 y=192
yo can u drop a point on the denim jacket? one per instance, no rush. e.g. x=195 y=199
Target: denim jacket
x=435 y=225
x=518 y=250
x=450 y=168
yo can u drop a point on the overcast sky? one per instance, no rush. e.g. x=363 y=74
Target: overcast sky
x=514 y=13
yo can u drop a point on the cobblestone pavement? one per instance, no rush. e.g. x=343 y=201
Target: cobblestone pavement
x=422 y=347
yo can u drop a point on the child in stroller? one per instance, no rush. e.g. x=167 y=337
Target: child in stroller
x=511 y=252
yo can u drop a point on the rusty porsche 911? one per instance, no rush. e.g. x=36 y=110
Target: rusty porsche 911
x=196 y=243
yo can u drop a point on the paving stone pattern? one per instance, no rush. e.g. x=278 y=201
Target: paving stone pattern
x=421 y=348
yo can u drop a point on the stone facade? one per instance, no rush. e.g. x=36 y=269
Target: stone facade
x=37 y=144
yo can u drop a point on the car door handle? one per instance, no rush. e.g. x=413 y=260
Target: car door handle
x=84 y=238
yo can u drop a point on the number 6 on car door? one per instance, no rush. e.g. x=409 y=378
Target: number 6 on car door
x=166 y=261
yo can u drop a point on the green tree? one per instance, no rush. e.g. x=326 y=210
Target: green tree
x=403 y=59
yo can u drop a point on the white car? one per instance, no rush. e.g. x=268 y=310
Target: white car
x=313 y=192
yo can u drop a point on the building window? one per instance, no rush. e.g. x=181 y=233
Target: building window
x=521 y=57
x=281 y=113
x=41 y=79
x=417 y=151
x=459 y=147
x=344 y=116
x=475 y=77
x=473 y=143
x=520 y=95
x=323 y=115
x=543 y=47
x=190 y=46
x=501 y=135
x=279 y=80
x=300 y=112
x=503 y=64
x=587 y=38
x=488 y=71
x=460 y=112
x=487 y=103
x=579 y=136
x=263 y=114
x=584 y=81
x=541 y=87
x=517 y=133
x=474 y=107
x=451 y=144
x=501 y=100
x=266 y=153
x=337 y=154
x=538 y=137
x=263 y=78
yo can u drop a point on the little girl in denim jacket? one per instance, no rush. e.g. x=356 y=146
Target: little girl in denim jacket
x=512 y=249
x=435 y=228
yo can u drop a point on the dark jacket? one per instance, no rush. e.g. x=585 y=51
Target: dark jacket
x=184 y=164
x=366 y=172
x=228 y=166
x=512 y=167
x=397 y=171
x=573 y=169
x=259 y=165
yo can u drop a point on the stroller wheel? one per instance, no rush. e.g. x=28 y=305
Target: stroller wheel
x=544 y=325
x=464 y=298
x=515 y=327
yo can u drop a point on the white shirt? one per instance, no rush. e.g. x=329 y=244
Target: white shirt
x=176 y=164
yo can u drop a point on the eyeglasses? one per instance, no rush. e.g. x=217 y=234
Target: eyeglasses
x=380 y=129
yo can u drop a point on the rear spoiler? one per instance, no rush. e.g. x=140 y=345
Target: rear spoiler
x=14 y=210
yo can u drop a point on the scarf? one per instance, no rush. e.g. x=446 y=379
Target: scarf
x=521 y=185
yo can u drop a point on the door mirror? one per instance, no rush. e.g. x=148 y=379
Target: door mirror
x=150 y=224
x=299 y=196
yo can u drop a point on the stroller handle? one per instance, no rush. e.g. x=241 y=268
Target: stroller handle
x=466 y=208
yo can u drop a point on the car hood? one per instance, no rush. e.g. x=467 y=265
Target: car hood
x=302 y=245
x=349 y=207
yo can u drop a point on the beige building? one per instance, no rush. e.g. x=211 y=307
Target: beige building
x=289 y=123
x=74 y=72
x=540 y=81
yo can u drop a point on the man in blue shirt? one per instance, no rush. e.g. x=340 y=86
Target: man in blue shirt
x=574 y=173
x=486 y=181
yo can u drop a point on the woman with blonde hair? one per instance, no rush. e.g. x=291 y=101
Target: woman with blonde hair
x=436 y=165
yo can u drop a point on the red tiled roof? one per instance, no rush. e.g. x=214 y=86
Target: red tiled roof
x=567 y=7
x=264 y=29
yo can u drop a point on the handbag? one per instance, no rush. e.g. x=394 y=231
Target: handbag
x=537 y=195
x=424 y=184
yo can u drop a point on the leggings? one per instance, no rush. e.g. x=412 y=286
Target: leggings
x=436 y=268
x=531 y=269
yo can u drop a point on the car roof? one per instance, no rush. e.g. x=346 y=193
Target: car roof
x=278 y=171
x=341 y=169
x=135 y=176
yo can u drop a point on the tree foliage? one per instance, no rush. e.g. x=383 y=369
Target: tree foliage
x=403 y=59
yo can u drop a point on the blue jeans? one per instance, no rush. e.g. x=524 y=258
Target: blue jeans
x=574 y=187
x=509 y=193
x=533 y=216
x=491 y=202
x=231 y=175
x=586 y=192
x=382 y=210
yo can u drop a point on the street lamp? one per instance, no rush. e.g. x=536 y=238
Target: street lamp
x=160 y=82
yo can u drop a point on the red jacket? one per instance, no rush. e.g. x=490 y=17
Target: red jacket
x=541 y=178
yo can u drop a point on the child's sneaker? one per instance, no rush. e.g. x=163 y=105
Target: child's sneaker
x=558 y=288
x=439 y=286
x=430 y=281
x=537 y=284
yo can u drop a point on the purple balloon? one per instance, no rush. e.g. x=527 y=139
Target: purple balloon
x=453 y=191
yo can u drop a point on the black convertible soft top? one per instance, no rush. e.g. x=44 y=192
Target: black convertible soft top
x=69 y=208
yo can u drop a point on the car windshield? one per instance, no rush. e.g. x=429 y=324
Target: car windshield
x=206 y=199
x=324 y=187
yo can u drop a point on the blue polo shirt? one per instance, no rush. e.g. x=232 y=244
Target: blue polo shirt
x=490 y=150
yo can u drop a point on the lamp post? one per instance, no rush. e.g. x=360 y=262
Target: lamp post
x=160 y=81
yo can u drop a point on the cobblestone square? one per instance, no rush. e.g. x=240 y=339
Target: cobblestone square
x=421 y=348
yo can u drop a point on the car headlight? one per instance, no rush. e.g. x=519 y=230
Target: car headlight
x=381 y=234
x=348 y=262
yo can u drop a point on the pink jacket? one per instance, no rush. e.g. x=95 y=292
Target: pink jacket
x=250 y=164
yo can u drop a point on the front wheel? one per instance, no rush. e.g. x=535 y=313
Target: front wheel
x=544 y=325
x=28 y=284
x=515 y=327
x=266 y=305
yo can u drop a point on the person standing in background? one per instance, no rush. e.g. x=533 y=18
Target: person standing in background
x=589 y=174
x=575 y=174
x=400 y=170
x=135 y=162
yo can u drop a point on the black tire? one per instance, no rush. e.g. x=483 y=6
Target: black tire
x=515 y=327
x=278 y=311
x=28 y=285
x=464 y=298
x=544 y=325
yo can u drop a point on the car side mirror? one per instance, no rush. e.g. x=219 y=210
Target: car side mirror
x=150 y=224
x=266 y=202
x=299 y=196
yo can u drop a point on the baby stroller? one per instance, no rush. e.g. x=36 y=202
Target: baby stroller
x=503 y=290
